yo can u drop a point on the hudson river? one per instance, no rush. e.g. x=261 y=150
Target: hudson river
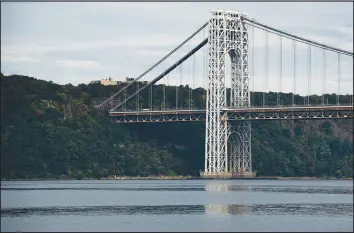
x=177 y=205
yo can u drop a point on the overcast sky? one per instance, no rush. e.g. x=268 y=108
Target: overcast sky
x=80 y=42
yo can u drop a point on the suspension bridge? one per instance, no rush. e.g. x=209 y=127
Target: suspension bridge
x=234 y=71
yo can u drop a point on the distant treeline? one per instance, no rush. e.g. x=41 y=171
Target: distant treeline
x=53 y=131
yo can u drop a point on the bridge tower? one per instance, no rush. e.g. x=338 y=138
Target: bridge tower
x=227 y=39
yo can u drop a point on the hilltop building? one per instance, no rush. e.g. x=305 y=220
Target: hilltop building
x=106 y=81
x=109 y=81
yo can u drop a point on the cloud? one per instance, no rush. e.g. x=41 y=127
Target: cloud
x=348 y=30
x=80 y=64
x=109 y=6
x=153 y=52
x=332 y=41
x=85 y=65
x=17 y=58
x=88 y=40
x=153 y=40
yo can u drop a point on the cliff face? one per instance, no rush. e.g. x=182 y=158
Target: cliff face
x=52 y=131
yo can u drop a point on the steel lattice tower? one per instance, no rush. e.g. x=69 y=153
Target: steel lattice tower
x=227 y=36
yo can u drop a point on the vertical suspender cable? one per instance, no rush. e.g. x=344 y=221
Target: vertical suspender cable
x=294 y=83
x=167 y=83
x=265 y=84
x=338 y=88
x=125 y=96
x=137 y=97
x=151 y=96
x=253 y=74
x=309 y=75
x=193 y=70
x=180 y=79
x=280 y=70
x=164 y=95
x=177 y=90
x=189 y=83
x=323 y=76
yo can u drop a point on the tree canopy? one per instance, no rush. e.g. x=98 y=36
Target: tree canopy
x=53 y=131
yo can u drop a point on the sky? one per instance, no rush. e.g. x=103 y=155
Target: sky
x=79 y=42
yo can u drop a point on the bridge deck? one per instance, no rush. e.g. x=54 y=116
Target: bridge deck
x=253 y=113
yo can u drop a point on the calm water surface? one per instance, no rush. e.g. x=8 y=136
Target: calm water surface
x=188 y=205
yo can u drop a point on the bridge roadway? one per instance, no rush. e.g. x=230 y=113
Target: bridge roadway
x=252 y=113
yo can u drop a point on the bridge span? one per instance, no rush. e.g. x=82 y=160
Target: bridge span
x=228 y=113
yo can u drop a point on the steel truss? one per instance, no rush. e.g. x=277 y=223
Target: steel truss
x=166 y=117
x=294 y=115
x=239 y=114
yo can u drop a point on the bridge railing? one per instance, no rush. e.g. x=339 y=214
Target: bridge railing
x=280 y=107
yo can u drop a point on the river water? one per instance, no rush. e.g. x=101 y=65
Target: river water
x=177 y=205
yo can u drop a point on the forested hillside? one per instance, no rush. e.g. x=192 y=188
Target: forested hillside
x=53 y=131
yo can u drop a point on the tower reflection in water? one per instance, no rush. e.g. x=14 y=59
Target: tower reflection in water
x=219 y=209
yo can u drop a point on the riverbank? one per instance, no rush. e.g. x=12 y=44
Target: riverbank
x=183 y=178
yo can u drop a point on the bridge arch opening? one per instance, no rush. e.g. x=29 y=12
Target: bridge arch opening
x=235 y=153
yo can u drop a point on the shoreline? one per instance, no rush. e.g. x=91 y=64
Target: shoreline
x=184 y=178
